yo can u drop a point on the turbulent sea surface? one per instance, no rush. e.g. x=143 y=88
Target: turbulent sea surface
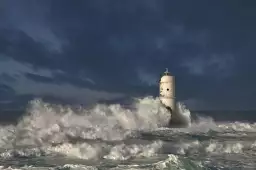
x=112 y=137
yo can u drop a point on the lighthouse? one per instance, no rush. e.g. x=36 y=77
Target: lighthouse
x=167 y=97
x=167 y=91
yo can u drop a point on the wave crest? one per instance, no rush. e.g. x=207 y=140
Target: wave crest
x=45 y=122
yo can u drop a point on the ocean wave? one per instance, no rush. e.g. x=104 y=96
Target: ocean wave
x=171 y=162
x=114 y=133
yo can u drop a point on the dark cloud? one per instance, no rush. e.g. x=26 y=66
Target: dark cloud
x=4 y=77
x=6 y=94
x=39 y=78
x=123 y=47
x=6 y=89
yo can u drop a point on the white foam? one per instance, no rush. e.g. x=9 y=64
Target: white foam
x=78 y=167
x=183 y=148
x=82 y=151
x=215 y=147
x=6 y=136
x=22 y=168
x=183 y=113
x=253 y=146
x=175 y=162
x=46 y=124
x=238 y=126
x=51 y=123
x=101 y=150
x=22 y=152
x=125 y=152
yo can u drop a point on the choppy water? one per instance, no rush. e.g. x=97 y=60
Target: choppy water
x=111 y=137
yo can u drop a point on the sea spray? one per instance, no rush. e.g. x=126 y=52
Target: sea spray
x=58 y=128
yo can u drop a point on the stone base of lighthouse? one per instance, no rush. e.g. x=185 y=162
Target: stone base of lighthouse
x=177 y=120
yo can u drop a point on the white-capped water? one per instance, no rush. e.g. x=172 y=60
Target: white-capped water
x=46 y=123
x=111 y=132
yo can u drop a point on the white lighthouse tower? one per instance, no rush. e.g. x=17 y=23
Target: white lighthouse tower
x=167 y=91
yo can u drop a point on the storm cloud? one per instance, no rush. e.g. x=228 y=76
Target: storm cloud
x=112 y=49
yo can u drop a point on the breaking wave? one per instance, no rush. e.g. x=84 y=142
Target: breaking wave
x=112 y=132
x=171 y=162
x=57 y=127
x=55 y=123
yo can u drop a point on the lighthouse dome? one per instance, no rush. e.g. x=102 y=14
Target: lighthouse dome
x=166 y=77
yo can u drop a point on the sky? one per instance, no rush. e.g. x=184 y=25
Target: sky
x=90 y=51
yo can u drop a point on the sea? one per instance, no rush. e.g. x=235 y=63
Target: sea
x=110 y=136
